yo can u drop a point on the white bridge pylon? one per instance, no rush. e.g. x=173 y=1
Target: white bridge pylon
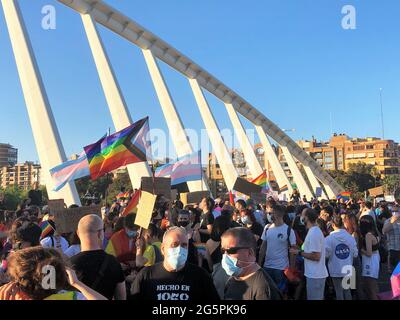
x=154 y=48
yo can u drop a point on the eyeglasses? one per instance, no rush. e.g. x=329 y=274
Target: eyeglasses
x=232 y=250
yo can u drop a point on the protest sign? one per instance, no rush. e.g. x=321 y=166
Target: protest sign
x=246 y=187
x=145 y=209
x=56 y=204
x=157 y=186
x=193 y=197
x=67 y=220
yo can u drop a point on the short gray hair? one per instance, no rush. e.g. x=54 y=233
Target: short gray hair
x=174 y=229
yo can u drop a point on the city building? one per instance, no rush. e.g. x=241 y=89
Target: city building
x=337 y=154
x=341 y=151
x=22 y=175
x=8 y=155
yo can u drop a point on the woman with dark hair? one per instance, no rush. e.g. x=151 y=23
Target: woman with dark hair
x=213 y=245
x=28 y=280
x=322 y=225
x=214 y=254
x=206 y=219
x=298 y=226
x=74 y=245
x=369 y=248
x=249 y=221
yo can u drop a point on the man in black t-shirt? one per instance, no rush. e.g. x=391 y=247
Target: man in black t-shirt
x=248 y=281
x=174 y=279
x=95 y=268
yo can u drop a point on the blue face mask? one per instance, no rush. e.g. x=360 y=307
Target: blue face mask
x=229 y=264
x=131 y=233
x=177 y=257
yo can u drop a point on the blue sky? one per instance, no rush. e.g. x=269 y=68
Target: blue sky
x=290 y=58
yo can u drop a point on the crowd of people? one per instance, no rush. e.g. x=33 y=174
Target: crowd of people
x=210 y=251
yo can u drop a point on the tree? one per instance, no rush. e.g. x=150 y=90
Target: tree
x=359 y=178
x=391 y=183
x=13 y=196
x=96 y=187
x=122 y=180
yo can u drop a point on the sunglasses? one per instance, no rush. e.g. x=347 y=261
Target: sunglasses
x=232 y=250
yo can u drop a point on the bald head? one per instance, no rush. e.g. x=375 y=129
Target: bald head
x=89 y=224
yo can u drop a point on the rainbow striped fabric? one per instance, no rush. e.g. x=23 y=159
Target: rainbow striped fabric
x=69 y=171
x=344 y=195
x=46 y=229
x=123 y=195
x=261 y=180
x=186 y=168
x=132 y=204
x=283 y=188
x=124 y=147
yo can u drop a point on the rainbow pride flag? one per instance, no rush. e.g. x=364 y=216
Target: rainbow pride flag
x=283 y=188
x=261 y=181
x=130 y=145
x=123 y=195
x=46 y=229
x=344 y=195
x=132 y=204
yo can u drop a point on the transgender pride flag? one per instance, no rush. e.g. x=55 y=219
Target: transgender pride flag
x=186 y=168
x=69 y=171
x=165 y=170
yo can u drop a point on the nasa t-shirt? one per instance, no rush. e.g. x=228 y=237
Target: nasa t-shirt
x=192 y=283
x=277 y=246
x=341 y=248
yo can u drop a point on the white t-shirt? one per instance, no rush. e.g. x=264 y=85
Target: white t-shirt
x=341 y=248
x=276 y=256
x=73 y=250
x=59 y=243
x=315 y=242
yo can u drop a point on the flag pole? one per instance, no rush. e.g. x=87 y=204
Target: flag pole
x=201 y=169
x=107 y=176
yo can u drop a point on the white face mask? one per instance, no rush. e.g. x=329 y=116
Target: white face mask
x=177 y=257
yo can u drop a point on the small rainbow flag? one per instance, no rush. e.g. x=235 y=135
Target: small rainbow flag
x=261 y=181
x=345 y=195
x=283 y=188
x=132 y=204
x=46 y=229
x=123 y=195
